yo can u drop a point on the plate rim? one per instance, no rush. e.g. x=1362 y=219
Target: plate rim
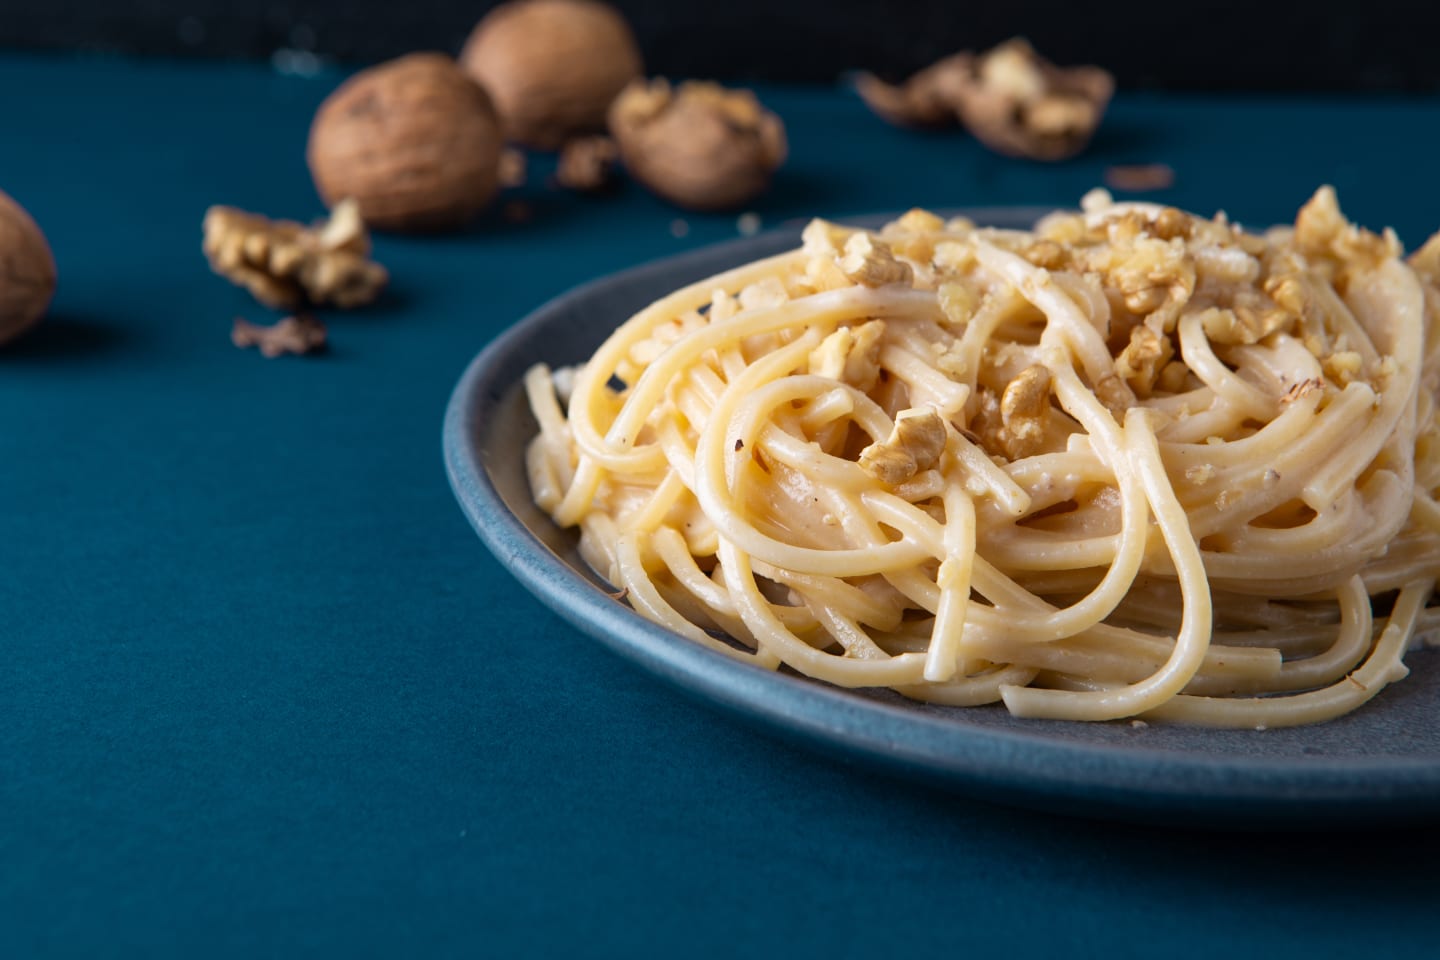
x=1026 y=768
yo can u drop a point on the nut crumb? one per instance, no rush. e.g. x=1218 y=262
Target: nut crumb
x=299 y=334
x=871 y=263
x=512 y=168
x=587 y=164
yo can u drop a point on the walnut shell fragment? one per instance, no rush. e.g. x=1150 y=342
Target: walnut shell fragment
x=700 y=145
x=1013 y=100
x=552 y=66
x=285 y=264
x=414 y=141
x=27 y=271
x=300 y=334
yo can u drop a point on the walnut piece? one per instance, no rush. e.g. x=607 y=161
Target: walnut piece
x=700 y=145
x=414 y=141
x=871 y=263
x=925 y=100
x=300 y=334
x=851 y=356
x=27 y=271
x=587 y=164
x=1322 y=230
x=915 y=443
x=553 y=67
x=1024 y=407
x=1012 y=99
x=286 y=264
x=1140 y=177
x=1143 y=358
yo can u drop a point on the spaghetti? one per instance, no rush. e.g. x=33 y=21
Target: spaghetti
x=1132 y=463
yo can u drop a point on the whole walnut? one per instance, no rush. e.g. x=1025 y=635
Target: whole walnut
x=699 y=146
x=414 y=141
x=27 y=271
x=552 y=66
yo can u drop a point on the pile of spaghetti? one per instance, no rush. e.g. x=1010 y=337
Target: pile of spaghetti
x=1132 y=463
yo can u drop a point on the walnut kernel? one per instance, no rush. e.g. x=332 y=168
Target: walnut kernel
x=286 y=264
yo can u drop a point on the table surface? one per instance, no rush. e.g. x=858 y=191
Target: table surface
x=264 y=692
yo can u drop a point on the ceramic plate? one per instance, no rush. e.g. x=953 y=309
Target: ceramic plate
x=1375 y=765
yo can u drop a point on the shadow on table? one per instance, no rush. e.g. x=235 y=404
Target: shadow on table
x=65 y=336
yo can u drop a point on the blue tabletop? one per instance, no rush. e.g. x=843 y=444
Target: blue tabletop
x=263 y=692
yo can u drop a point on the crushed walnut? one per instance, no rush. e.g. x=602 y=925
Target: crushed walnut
x=915 y=443
x=871 y=263
x=286 y=264
x=299 y=334
x=851 y=356
x=511 y=172
x=1024 y=407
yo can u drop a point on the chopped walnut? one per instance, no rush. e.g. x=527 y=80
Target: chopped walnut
x=1322 y=230
x=1302 y=388
x=286 y=264
x=1046 y=254
x=1115 y=394
x=915 y=443
x=851 y=355
x=1343 y=367
x=871 y=263
x=1142 y=360
x=1024 y=407
x=1426 y=261
x=300 y=334
x=587 y=164
x=1243 y=324
x=1174 y=377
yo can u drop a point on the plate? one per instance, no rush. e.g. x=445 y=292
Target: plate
x=1371 y=767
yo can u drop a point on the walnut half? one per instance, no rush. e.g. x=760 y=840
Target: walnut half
x=286 y=264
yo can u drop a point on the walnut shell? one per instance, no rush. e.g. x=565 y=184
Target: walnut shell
x=415 y=141
x=700 y=146
x=1018 y=103
x=27 y=271
x=552 y=66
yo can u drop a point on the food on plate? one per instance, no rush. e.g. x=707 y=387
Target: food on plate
x=1130 y=463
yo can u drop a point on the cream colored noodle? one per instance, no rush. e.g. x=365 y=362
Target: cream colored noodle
x=1130 y=463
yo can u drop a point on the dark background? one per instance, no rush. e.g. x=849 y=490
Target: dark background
x=1211 y=45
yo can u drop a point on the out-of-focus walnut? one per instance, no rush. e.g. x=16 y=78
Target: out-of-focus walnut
x=286 y=264
x=27 y=271
x=552 y=66
x=299 y=335
x=699 y=145
x=1012 y=99
x=925 y=100
x=587 y=164
x=915 y=443
x=871 y=263
x=1019 y=104
x=414 y=141
x=1140 y=177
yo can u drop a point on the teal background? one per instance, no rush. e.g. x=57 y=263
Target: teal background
x=263 y=693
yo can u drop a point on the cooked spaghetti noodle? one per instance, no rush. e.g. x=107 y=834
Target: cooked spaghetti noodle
x=1132 y=463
